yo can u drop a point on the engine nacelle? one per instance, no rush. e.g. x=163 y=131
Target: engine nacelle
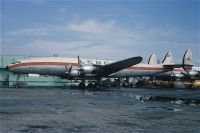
x=192 y=73
x=74 y=73
x=90 y=69
x=85 y=70
x=178 y=75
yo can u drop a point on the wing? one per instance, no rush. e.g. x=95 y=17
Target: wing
x=119 y=65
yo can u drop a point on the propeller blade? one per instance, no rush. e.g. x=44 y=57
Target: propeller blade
x=70 y=69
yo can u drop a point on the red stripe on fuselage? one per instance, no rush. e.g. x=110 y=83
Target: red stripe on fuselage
x=42 y=64
x=30 y=64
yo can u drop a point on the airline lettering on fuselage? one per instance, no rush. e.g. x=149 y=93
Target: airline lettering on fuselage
x=94 y=62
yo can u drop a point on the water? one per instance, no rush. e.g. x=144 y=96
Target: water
x=57 y=110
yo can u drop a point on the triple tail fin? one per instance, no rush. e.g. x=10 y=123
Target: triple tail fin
x=187 y=61
x=168 y=59
x=152 y=60
x=168 y=62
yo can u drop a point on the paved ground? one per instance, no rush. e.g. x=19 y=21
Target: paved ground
x=56 y=110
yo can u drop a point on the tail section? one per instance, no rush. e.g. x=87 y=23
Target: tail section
x=187 y=58
x=168 y=59
x=187 y=61
x=186 y=64
x=152 y=60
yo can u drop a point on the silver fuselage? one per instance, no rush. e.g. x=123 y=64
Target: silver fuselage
x=59 y=67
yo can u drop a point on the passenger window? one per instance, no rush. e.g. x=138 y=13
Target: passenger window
x=106 y=62
x=98 y=62
x=89 y=62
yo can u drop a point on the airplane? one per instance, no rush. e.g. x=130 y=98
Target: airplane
x=195 y=72
x=191 y=71
x=152 y=68
x=70 y=68
x=186 y=70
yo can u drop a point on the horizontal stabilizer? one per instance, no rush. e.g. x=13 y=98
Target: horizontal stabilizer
x=119 y=65
x=186 y=64
x=172 y=66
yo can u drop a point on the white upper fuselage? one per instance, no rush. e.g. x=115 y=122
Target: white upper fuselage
x=58 y=66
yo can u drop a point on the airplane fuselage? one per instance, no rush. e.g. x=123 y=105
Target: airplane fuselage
x=57 y=66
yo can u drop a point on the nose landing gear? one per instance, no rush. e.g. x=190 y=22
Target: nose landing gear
x=16 y=84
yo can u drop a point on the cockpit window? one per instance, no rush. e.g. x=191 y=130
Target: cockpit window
x=18 y=61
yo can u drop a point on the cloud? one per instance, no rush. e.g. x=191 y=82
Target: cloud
x=46 y=47
x=91 y=26
x=31 y=32
x=103 y=39
x=91 y=38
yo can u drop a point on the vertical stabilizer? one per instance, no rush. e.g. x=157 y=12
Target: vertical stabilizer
x=152 y=60
x=168 y=59
x=187 y=60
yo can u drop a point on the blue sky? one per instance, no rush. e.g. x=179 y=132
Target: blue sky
x=101 y=29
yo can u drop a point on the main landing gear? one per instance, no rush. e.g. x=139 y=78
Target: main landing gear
x=17 y=84
x=92 y=85
x=81 y=85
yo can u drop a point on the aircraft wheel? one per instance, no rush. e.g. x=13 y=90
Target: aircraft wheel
x=16 y=85
x=81 y=85
x=97 y=86
x=90 y=85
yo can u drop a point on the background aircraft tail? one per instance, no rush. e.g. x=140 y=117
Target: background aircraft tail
x=187 y=61
x=168 y=59
x=152 y=60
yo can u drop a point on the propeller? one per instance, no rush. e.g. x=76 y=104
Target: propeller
x=68 y=70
